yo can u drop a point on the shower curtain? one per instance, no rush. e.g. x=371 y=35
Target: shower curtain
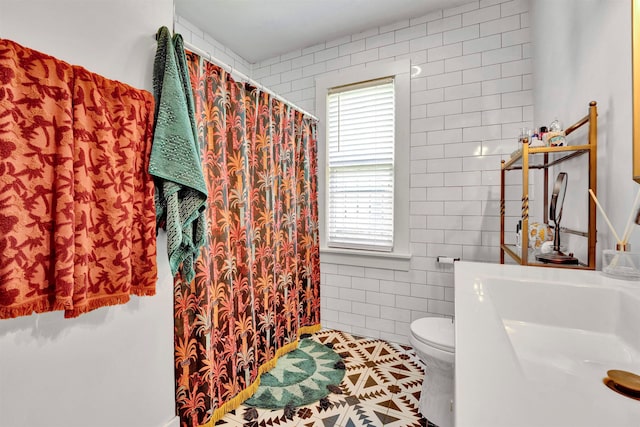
x=256 y=285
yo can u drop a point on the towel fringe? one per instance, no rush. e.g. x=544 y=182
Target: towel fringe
x=143 y=292
x=27 y=309
x=43 y=305
x=95 y=304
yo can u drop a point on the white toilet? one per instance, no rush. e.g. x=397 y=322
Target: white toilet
x=433 y=340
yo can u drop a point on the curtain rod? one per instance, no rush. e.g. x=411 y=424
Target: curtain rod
x=243 y=76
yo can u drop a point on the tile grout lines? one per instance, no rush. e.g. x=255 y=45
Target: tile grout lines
x=381 y=387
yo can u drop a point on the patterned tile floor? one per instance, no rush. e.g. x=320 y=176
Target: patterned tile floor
x=381 y=387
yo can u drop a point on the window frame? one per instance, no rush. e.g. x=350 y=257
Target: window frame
x=382 y=168
x=399 y=257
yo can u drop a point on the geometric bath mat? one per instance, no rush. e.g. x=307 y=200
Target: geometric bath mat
x=299 y=378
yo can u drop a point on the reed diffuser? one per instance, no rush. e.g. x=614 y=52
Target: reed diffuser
x=621 y=262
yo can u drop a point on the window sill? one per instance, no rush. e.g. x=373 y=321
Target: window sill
x=383 y=260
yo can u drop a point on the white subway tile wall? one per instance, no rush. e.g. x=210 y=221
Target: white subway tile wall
x=196 y=37
x=470 y=95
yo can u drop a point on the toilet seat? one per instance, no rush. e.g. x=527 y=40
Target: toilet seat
x=437 y=332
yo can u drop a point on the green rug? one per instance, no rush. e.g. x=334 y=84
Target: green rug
x=300 y=377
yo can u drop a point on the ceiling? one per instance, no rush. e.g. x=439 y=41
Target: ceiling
x=261 y=29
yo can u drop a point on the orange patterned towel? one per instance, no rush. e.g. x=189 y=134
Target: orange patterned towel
x=115 y=236
x=77 y=219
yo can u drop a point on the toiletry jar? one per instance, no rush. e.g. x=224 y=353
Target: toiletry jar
x=539 y=233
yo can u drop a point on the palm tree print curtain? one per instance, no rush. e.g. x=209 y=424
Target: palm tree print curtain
x=257 y=279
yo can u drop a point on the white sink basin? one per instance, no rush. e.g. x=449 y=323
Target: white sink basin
x=533 y=345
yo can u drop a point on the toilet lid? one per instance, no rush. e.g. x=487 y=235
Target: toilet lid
x=437 y=332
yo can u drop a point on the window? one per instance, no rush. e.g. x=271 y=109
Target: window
x=360 y=165
x=363 y=165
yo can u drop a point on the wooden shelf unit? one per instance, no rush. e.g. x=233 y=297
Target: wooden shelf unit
x=543 y=158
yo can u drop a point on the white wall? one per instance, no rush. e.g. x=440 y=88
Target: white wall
x=467 y=105
x=113 y=366
x=583 y=53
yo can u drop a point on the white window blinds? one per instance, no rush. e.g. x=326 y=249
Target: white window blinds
x=360 y=140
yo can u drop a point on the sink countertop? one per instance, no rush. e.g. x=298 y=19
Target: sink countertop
x=533 y=345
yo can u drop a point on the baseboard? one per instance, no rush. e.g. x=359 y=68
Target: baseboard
x=174 y=422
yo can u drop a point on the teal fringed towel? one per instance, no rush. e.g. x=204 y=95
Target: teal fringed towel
x=181 y=192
